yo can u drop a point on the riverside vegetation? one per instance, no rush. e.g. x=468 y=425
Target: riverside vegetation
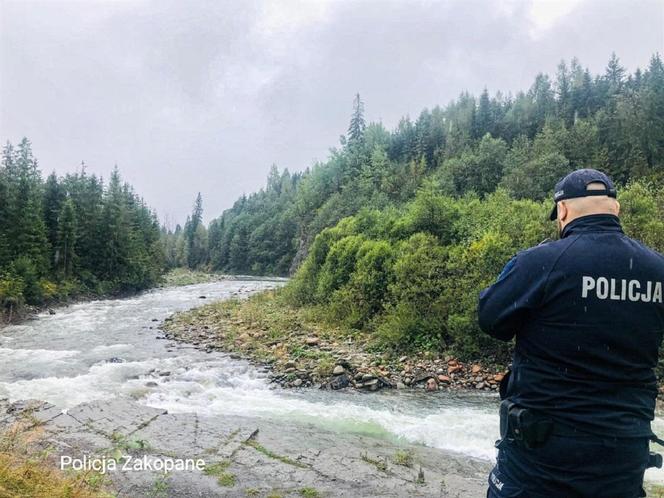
x=70 y=236
x=379 y=303
x=391 y=240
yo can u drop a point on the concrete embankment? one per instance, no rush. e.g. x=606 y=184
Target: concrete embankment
x=242 y=456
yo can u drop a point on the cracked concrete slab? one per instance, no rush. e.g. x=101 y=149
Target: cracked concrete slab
x=253 y=457
x=115 y=416
x=187 y=433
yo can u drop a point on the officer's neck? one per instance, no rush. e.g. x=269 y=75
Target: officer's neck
x=592 y=223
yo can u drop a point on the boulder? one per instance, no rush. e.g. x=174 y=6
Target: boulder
x=339 y=382
x=371 y=385
x=386 y=382
x=338 y=370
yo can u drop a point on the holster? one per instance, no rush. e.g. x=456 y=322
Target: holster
x=523 y=426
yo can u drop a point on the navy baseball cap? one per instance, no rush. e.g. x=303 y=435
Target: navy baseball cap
x=576 y=185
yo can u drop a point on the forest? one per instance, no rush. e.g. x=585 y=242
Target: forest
x=520 y=144
x=394 y=234
x=398 y=230
x=69 y=236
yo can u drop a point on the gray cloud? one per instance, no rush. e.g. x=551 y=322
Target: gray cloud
x=187 y=95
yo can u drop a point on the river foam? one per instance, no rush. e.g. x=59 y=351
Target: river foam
x=102 y=349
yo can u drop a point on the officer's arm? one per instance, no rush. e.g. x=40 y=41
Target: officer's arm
x=505 y=305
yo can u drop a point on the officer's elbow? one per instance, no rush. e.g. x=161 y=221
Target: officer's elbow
x=484 y=323
x=485 y=317
x=493 y=327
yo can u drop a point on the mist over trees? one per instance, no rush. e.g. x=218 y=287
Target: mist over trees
x=520 y=144
x=398 y=231
x=395 y=233
x=71 y=235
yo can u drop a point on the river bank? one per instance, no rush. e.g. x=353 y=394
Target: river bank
x=112 y=350
x=177 y=277
x=301 y=351
x=109 y=384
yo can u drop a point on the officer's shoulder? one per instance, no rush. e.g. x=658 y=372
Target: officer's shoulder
x=647 y=250
x=544 y=250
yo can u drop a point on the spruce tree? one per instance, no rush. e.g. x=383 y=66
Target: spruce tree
x=27 y=231
x=114 y=231
x=194 y=234
x=4 y=216
x=614 y=75
x=53 y=198
x=483 y=118
x=66 y=240
x=357 y=123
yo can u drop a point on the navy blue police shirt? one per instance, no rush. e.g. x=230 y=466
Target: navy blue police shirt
x=588 y=317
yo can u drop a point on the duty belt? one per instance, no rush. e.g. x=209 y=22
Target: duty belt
x=531 y=429
x=523 y=425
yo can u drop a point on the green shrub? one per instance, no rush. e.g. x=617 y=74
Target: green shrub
x=339 y=266
x=302 y=289
x=364 y=295
x=413 y=276
x=25 y=269
x=642 y=213
x=11 y=291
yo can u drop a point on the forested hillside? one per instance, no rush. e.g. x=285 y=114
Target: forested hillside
x=71 y=235
x=399 y=230
x=521 y=144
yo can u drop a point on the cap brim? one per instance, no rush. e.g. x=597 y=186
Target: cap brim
x=554 y=212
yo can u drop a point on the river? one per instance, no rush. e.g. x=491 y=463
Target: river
x=107 y=348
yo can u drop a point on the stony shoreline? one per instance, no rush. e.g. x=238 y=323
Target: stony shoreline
x=303 y=353
x=300 y=352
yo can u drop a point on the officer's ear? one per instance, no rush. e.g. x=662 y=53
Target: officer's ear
x=617 y=208
x=563 y=211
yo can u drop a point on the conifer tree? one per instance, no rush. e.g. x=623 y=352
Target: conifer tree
x=484 y=119
x=26 y=228
x=53 y=198
x=66 y=240
x=357 y=123
x=614 y=75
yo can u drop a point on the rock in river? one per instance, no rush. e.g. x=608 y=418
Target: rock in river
x=339 y=382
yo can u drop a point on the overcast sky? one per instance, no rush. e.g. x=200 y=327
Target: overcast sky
x=187 y=96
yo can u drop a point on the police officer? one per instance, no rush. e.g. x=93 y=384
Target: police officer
x=588 y=317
